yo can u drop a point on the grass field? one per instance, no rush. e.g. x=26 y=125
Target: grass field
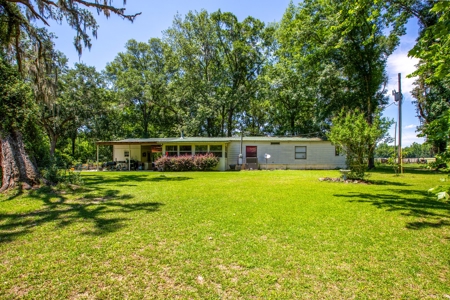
x=228 y=235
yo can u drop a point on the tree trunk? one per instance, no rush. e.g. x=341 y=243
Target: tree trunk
x=53 y=139
x=17 y=167
x=230 y=122
x=73 y=138
x=371 y=164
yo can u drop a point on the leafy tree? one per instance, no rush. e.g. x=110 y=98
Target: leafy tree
x=80 y=97
x=433 y=47
x=432 y=88
x=220 y=59
x=195 y=86
x=242 y=48
x=341 y=50
x=416 y=150
x=20 y=15
x=352 y=133
x=141 y=77
x=31 y=49
x=18 y=108
x=383 y=150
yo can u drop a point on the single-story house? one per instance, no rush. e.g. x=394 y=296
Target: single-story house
x=250 y=152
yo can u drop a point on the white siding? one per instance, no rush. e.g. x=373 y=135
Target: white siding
x=319 y=155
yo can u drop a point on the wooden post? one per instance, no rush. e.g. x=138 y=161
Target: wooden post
x=129 y=157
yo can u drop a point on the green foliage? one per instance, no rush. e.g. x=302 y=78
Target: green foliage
x=219 y=60
x=141 y=77
x=57 y=173
x=415 y=150
x=357 y=138
x=338 y=53
x=16 y=103
x=383 y=150
x=187 y=163
x=433 y=47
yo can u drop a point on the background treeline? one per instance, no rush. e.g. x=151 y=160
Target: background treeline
x=214 y=75
x=415 y=150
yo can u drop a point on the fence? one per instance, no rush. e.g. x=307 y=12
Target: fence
x=409 y=160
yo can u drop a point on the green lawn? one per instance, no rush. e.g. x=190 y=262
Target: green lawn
x=228 y=235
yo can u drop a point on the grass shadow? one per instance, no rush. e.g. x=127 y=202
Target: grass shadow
x=165 y=178
x=432 y=213
x=385 y=182
x=409 y=170
x=124 y=179
x=105 y=212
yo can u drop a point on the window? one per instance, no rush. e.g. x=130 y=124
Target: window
x=186 y=150
x=337 y=151
x=171 y=150
x=126 y=154
x=251 y=151
x=216 y=150
x=274 y=143
x=300 y=152
x=201 y=149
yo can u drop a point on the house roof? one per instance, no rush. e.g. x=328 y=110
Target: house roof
x=178 y=140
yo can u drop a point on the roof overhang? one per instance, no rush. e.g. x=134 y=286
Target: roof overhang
x=106 y=143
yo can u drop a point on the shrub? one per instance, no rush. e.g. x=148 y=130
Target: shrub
x=357 y=138
x=187 y=163
x=55 y=173
x=184 y=163
x=205 y=162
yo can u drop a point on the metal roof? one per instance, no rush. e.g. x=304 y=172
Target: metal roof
x=153 y=141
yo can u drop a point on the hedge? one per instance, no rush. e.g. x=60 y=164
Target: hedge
x=204 y=162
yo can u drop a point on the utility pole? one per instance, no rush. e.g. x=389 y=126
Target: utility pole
x=395 y=143
x=398 y=97
x=400 y=122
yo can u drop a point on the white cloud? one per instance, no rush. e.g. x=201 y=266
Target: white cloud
x=409 y=138
x=399 y=62
x=410 y=126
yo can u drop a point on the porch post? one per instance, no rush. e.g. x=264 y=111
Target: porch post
x=223 y=164
x=129 y=157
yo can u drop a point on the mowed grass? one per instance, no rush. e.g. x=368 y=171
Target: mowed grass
x=228 y=235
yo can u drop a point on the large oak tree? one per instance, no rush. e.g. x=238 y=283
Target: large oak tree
x=29 y=48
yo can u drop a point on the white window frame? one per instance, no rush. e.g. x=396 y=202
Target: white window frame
x=173 y=152
x=299 y=153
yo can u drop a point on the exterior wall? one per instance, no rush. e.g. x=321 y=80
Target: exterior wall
x=119 y=152
x=319 y=155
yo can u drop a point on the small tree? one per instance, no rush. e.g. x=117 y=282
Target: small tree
x=357 y=138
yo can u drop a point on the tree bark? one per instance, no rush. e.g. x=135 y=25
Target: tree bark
x=17 y=167
x=53 y=140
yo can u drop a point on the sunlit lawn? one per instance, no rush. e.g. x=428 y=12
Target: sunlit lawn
x=215 y=235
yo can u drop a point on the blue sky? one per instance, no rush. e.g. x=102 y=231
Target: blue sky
x=157 y=16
